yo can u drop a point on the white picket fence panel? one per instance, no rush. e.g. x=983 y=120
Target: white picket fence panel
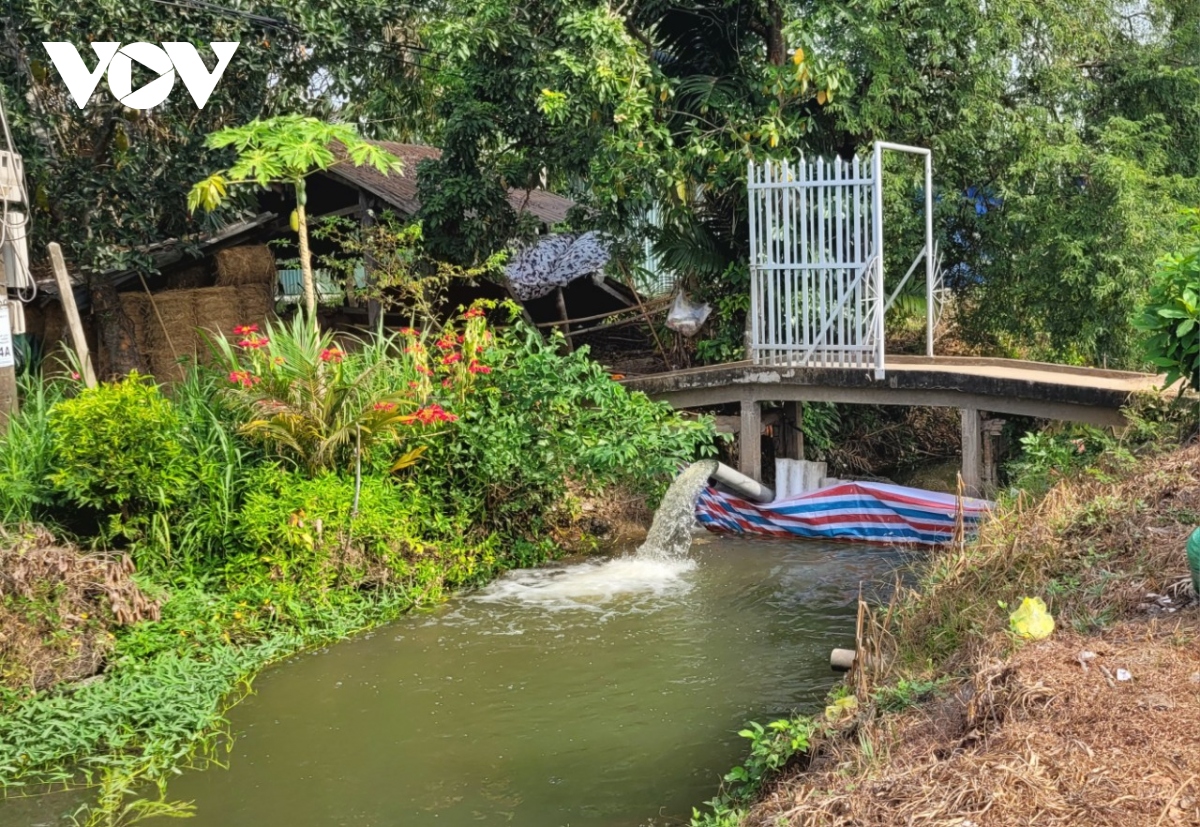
x=816 y=262
x=815 y=274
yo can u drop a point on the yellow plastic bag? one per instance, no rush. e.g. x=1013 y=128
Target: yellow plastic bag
x=841 y=708
x=1032 y=619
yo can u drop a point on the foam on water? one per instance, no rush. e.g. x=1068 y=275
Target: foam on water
x=593 y=586
x=656 y=571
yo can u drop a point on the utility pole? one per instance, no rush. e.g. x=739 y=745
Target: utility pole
x=14 y=256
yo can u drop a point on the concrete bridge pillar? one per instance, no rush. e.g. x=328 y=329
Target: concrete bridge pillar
x=972 y=452
x=750 y=440
x=793 y=437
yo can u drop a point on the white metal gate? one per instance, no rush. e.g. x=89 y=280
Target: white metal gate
x=816 y=269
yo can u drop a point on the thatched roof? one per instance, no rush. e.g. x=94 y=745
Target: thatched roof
x=400 y=191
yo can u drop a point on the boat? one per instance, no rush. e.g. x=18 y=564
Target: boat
x=868 y=512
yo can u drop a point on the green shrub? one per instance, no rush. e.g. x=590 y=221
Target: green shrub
x=117 y=449
x=298 y=530
x=1171 y=317
x=540 y=419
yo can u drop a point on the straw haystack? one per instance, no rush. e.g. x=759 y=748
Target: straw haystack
x=190 y=277
x=174 y=324
x=249 y=264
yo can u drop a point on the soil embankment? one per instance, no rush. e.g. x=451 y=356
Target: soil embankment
x=1097 y=725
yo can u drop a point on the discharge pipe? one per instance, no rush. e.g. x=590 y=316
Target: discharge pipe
x=740 y=484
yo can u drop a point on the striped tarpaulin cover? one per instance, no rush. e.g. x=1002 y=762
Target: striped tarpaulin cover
x=860 y=511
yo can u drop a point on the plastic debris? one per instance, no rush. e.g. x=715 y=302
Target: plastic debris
x=687 y=316
x=1032 y=620
x=1124 y=675
x=841 y=708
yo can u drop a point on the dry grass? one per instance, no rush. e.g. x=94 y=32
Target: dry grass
x=57 y=605
x=1038 y=739
x=1035 y=733
x=1092 y=549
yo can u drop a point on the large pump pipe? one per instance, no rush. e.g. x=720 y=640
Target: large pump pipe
x=742 y=485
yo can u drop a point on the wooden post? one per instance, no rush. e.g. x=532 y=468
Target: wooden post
x=67 y=294
x=750 y=440
x=8 y=369
x=793 y=437
x=972 y=452
x=566 y=326
x=366 y=220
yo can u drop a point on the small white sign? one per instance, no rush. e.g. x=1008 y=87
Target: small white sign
x=6 y=341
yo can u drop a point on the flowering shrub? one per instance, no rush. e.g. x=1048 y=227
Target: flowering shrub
x=320 y=404
x=535 y=419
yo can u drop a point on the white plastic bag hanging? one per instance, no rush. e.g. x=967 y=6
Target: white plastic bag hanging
x=687 y=316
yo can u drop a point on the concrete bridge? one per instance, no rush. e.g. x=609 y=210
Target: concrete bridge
x=976 y=387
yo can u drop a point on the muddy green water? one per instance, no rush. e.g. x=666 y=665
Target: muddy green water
x=594 y=694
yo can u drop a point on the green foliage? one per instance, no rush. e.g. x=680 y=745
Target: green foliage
x=1050 y=456
x=117 y=449
x=905 y=693
x=771 y=749
x=284 y=149
x=540 y=418
x=405 y=278
x=303 y=397
x=27 y=454
x=106 y=180
x=312 y=536
x=1171 y=317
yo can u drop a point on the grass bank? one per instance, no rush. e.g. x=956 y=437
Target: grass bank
x=955 y=720
x=294 y=492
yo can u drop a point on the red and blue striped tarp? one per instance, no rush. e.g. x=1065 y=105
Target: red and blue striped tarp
x=860 y=511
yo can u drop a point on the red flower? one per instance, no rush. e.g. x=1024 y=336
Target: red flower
x=75 y=375
x=414 y=384
x=409 y=331
x=473 y=313
x=424 y=371
x=253 y=342
x=461 y=338
x=448 y=382
x=415 y=348
x=385 y=406
x=434 y=413
x=244 y=329
x=445 y=343
x=452 y=358
x=332 y=354
x=475 y=367
x=244 y=378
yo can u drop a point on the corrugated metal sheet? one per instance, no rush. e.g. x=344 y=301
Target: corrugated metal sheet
x=401 y=190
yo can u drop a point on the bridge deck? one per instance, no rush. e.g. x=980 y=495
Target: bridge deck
x=1004 y=386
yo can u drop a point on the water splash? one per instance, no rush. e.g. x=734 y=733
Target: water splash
x=639 y=582
x=670 y=535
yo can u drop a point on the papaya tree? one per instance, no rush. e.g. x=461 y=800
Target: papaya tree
x=286 y=150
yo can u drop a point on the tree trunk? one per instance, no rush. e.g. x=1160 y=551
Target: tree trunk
x=118 y=340
x=310 y=286
x=776 y=54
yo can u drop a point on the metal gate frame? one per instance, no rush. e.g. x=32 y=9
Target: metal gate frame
x=829 y=264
